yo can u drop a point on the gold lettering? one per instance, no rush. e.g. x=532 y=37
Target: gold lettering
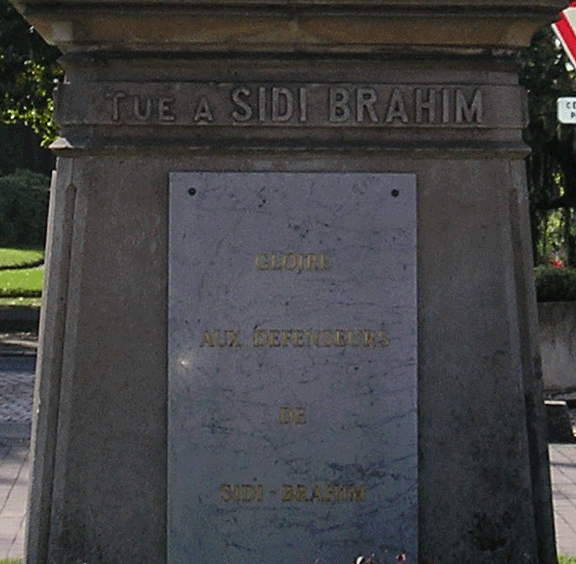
x=301 y=492
x=340 y=338
x=327 y=336
x=297 y=337
x=295 y=415
x=285 y=337
x=383 y=339
x=226 y=493
x=233 y=338
x=300 y=338
x=316 y=494
x=356 y=494
x=206 y=339
x=260 y=339
x=258 y=261
x=323 y=262
x=217 y=342
x=312 y=338
x=274 y=338
x=350 y=339
x=273 y=263
x=300 y=416
x=287 y=493
x=250 y=493
x=289 y=262
x=245 y=493
x=292 y=262
x=368 y=338
x=325 y=494
x=285 y=415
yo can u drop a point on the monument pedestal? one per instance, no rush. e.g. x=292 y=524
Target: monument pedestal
x=288 y=311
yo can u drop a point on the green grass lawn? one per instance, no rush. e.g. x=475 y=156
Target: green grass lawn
x=21 y=286
x=15 y=256
x=21 y=282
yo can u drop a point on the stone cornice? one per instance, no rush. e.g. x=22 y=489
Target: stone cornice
x=320 y=26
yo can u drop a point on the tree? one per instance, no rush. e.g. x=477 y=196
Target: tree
x=551 y=166
x=28 y=69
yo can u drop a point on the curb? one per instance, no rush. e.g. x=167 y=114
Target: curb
x=15 y=432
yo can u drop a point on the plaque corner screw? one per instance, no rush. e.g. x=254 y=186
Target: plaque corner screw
x=192 y=191
x=395 y=193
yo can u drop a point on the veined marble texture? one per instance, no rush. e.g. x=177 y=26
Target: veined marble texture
x=292 y=368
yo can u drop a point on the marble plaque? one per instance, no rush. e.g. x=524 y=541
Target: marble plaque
x=292 y=368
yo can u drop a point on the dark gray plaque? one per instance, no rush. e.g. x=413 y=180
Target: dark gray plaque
x=292 y=368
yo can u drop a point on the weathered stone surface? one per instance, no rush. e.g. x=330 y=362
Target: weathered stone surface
x=99 y=489
x=557 y=324
x=278 y=26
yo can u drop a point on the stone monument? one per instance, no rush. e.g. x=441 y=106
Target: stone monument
x=288 y=313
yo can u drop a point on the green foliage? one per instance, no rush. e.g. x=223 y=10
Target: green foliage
x=555 y=284
x=28 y=68
x=562 y=559
x=551 y=166
x=23 y=208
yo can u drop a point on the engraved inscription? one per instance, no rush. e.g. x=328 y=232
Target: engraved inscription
x=286 y=105
x=220 y=338
x=241 y=492
x=292 y=352
x=292 y=262
x=300 y=492
x=141 y=108
x=323 y=338
x=287 y=493
x=290 y=415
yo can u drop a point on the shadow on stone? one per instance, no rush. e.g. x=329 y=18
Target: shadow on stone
x=559 y=425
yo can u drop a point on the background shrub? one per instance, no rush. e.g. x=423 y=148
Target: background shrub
x=555 y=284
x=23 y=208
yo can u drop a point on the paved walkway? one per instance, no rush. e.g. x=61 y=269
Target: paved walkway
x=14 y=473
x=563 y=471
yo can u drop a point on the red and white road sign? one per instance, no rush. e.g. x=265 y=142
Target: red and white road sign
x=565 y=30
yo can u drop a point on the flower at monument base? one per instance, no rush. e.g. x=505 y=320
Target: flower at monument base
x=401 y=558
x=555 y=263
